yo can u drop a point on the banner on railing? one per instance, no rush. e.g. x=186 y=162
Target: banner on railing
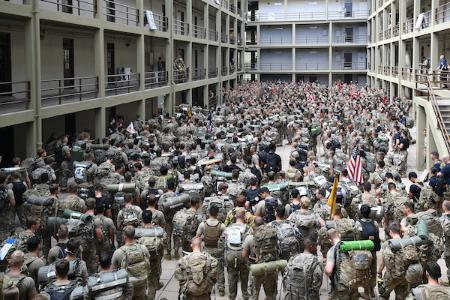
x=150 y=20
x=419 y=21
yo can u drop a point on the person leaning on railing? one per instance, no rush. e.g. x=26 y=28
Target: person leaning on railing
x=443 y=68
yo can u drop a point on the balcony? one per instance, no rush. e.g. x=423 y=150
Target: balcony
x=251 y=67
x=224 y=71
x=67 y=90
x=239 y=41
x=396 y=30
x=442 y=13
x=155 y=79
x=394 y=71
x=199 y=74
x=213 y=35
x=160 y=22
x=350 y=39
x=16 y=98
x=118 y=84
x=312 y=40
x=224 y=4
x=120 y=13
x=311 y=66
x=84 y=8
x=408 y=26
x=380 y=3
x=232 y=69
x=239 y=68
x=180 y=76
x=239 y=11
x=350 y=65
x=180 y=28
x=380 y=69
x=299 y=16
x=213 y=72
x=224 y=38
x=380 y=36
x=386 y=70
x=387 y=33
x=275 y=40
x=199 y=32
x=232 y=8
x=232 y=39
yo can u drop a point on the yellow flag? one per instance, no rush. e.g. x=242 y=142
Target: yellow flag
x=190 y=112
x=332 y=197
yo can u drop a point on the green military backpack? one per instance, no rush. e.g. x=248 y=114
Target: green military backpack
x=265 y=238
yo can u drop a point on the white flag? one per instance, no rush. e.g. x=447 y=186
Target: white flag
x=130 y=128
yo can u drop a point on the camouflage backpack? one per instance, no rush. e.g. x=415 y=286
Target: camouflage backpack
x=178 y=221
x=398 y=262
x=200 y=274
x=346 y=227
x=70 y=201
x=130 y=216
x=224 y=204
x=306 y=223
x=298 y=279
x=289 y=239
x=428 y=199
x=154 y=244
x=354 y=268
x=193 y=220
x=265 y=239
x=134 y=261
x=430 y=218
x=427 y=292
x=446 y=229
x=10 y=283
x=38 y=207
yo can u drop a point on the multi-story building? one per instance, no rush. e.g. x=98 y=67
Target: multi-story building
x=406 y=39
x=70 y=65
x=304 y=40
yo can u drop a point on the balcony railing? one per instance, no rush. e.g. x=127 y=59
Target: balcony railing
x=251 y=66
x=213 y=72
x=224 y=38
x=380 y=36
x=122 y=83
x=84 y=8
x=396 y=30
x=350 y=39
x=442 y=13
x=213 y=35
x=224 y=4
x=386 y=70
x=387 y=33
x=408 y=26
x=239 y=11
x=239 y=41
x=224 y=71
x=275 y=67
x=16 y=96
x=348 y=14
x=180 y=27
x=270 y=40
x=155 y=79
x=199 y=74
x=232 y=69
x=380 y=3
x=232 y=39
x=312 y=40
x=180 y=76
x=312 y=66
x=426 y=19
x=199 y=32
x=160 y=21
x=232 y=8
x=66 y=90
x=298 y=16
x=408 y=74
x=394 y=71
x=350 y=65
x=380 y=69
x=239 y=68
x=120 y=13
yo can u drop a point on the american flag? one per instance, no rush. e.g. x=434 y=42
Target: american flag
x=354 y=167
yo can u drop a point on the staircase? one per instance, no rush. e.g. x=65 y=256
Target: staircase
x=444 y=108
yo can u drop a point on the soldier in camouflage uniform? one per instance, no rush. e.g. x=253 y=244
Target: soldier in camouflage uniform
x=169 y=218
x=7 y=203
x=157 y=215
x=445 y=221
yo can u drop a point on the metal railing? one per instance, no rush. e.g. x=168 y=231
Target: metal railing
x=199 y=32
x=239 y=11
x=16 y=96
x=380 y=3
x=380 y=36
x=386 y=70
x=349 y=14
x=232 y=69
x=224 y=71
x=155 y=79
x=396 y=30
x=312 y=66
x=350 y=65
x=429 y=80
x=239 y=41
x=213 y=72
x=68 y=89
x=309 y=16
x=224 y=4
x=442 y=14
x=198 y=74
x=426 y=19
x=350 y=39
x=387 y=33
x=85 y=8
x=232 y=39
x=408 y=26
x=120 y=13
x=213 y=35
x=232 y=8
x=161 y=22
x=437 y=79
x=280 y=39
x=122 y=84
x=239 y=67
x=275 y=67
x=380 y=69
x=251 y=66
x=224 y=38
x=180 y=76
x=408 y=74
x=180 y=27
x=394 y=71
x=308 y=40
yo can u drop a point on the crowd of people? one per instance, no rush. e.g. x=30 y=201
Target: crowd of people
x=95 y=219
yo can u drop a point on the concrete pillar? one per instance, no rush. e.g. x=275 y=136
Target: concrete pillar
x=100 y=122
x=99 y=53
x=141 y=110
x=434 y=5
x=293 y=60
x=434 y=50
x=416 y=54
x=206 y=96
x=431 y=147
x=420 y=138
x=169 y=104
x=140 y=7
x=294 y=35
x=140 y=56
x=189 y=61
x=33 y=40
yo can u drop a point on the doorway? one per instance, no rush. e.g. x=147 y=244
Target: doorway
x=5 y=62
x=348 y=60
x=348 y=8
x=110 y=11
x=110 y=61
x=69 y=70
x=349 y=34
